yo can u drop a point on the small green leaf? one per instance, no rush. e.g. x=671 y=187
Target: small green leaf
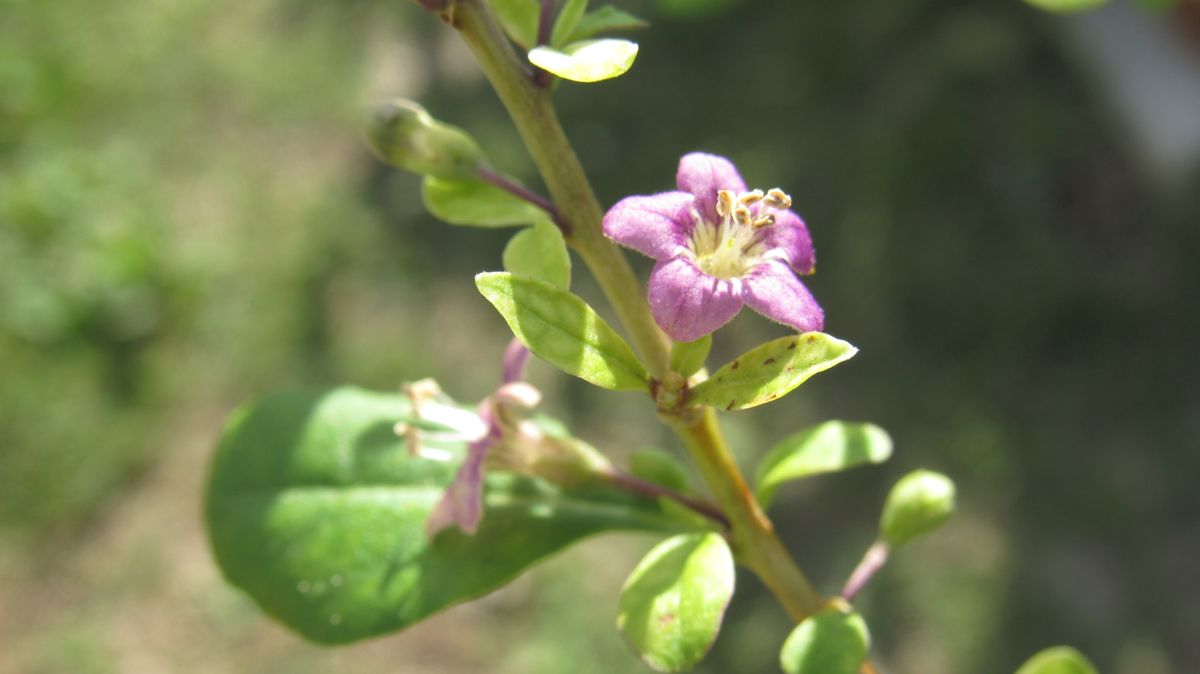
x=770 y=371
x=824 y=448
x=604 y=20
x=920 y=502
x=539 y=252
x=316 y=509
x=828 y=642
x=659 y=467
x=568 y=19
x=564 y=331
x=688 y=357
x=519 y=18
x=672 y=605
x=587 y=60
x=1058 y=660
x=1067 y=6
x=477 y=204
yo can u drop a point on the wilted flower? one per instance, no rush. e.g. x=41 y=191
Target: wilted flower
x=499 y=436
x=718 y=246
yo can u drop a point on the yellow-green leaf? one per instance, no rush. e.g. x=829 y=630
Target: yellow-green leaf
x=539 y=252
x=476 y=204
x=587 y=60
x=770 y=371
x=824 y=448
x=672 y=605
x=1058 y=660
x=564 y=331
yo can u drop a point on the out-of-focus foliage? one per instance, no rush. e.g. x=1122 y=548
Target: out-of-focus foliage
x=188 y=218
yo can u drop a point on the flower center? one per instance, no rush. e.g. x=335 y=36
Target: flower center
x=733 y=246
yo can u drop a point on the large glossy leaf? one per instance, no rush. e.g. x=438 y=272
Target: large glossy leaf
x=827 y=642
x=586 y=60
x=317 y=509
x=540 y=252
x=824 y=448
x=564 y=331
x=1058 y=660
x=672 y=605
x=476 y=204
x=770 y=371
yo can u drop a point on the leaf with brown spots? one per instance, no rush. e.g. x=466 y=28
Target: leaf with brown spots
x=672 y=605
x=772 y=370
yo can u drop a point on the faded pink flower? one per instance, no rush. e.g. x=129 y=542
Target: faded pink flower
x=718 y=246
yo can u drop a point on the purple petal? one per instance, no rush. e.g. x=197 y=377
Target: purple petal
x=515 y=358
x=462 y=502
x=687 y=303
x=655 y=225
x=703 y=175
x=791 y=237
x=774 y=291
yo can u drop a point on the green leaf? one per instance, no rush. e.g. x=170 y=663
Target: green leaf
x=568 y=19
x=919 y=503
x=564 y=331
x=317 y=510
x=1058 y=660
x=824 y=448
x=476 y=204
x=587 y=60
x=688 y=357
x=539 y=252
x=828 y=642
x=1067 y=6
x=519 y=18
x=771 y=370
x=604 y=20
x=659 y=467
x=672 y=605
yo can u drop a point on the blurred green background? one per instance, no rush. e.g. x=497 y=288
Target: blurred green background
x=188 y=219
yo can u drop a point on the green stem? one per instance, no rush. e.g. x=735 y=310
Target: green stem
x=532 y=111
x=753 y=535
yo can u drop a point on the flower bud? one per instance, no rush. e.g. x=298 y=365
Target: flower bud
x=404 y=135
x=919 y=503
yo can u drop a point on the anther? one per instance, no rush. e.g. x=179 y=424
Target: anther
x=725 y=202
x=777 y=199
x=751 y=197
x=764 y=221
x=741 y=214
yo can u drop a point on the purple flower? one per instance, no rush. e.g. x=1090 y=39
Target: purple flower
x=718 y=246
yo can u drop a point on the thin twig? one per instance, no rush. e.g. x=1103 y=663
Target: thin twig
x=872 y=561
x=521 y=192
x=639 y=486
x=545 y=24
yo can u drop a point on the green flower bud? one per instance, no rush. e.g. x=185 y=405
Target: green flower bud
x=404 y=135
x=919 y=503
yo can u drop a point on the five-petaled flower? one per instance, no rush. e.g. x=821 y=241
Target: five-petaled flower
x=718 y=246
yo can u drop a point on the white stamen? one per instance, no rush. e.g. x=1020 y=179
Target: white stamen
x=733 y=246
